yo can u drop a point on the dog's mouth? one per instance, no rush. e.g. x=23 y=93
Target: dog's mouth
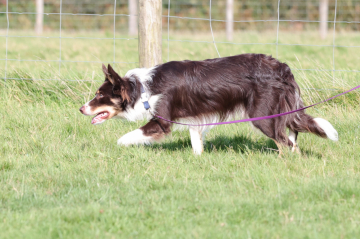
x=100 y=118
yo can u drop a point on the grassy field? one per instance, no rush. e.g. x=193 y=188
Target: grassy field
x=61 y=177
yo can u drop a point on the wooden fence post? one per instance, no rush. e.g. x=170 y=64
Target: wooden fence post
x=150 y=31
x=133 y=26
x=229 y=19
x=323 y=14
x=39 y=17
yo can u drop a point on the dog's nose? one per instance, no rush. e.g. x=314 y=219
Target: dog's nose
x=82 y=109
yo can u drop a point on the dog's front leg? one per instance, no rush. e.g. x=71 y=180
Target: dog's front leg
x=153 y=131
x=135 y=137
x=196 y=141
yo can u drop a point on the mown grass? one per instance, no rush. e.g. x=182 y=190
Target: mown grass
x=62 y=177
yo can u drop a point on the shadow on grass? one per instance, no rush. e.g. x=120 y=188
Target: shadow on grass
x=239 y=144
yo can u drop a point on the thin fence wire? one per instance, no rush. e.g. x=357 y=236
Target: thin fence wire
x=334 y=42
x=60 y=39
x=168 y=31
x=182 y=17
x=114 y=30
x=277 y=29
x=7 y=34
x=212 y=33
x=168 y=16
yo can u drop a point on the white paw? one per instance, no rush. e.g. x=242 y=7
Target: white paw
x=122 y=141
x=134 y=138
x=197 y=151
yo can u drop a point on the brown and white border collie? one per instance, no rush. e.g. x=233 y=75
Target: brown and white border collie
x=198 y=92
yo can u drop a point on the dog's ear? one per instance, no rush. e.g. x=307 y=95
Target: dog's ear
x=105 y=70
x=120 y=87
x=112 y=76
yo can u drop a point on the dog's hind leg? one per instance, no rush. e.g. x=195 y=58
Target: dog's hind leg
x=293 y=137
x=280 y=147
x=268 y=127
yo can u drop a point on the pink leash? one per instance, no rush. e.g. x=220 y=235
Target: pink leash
x=260 y=118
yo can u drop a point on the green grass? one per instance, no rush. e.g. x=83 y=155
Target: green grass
x=61 y=177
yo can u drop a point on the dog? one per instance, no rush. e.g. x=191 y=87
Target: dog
x=208 y=91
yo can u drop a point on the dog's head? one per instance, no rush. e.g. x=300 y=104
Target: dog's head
x=110 y=99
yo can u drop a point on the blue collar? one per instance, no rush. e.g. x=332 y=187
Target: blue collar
x=144 y=97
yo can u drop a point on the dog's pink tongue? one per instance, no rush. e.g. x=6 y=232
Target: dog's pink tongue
x=100 y=118
x=95 y=120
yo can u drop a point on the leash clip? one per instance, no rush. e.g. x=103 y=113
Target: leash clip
x=144 y=98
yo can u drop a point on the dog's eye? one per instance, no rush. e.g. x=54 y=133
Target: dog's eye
x=101 y=96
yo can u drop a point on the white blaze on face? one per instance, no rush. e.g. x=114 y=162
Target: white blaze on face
x=86 y=109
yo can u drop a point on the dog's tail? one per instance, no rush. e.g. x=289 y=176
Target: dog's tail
x=321 y=127
x=300 y=121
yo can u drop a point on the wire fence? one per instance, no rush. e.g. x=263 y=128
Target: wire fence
x=199 y=15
